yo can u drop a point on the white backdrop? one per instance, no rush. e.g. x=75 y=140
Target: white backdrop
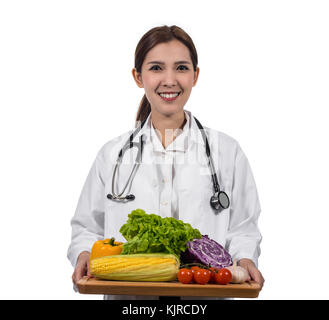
x=66 y=89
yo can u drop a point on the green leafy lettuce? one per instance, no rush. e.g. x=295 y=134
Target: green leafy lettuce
x=149 y=233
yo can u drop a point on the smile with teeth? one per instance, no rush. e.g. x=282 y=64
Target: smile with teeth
x=169 y=96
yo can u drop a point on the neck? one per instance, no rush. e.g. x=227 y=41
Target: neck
x=168 y=127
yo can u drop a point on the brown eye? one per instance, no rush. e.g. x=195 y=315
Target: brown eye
x=184 y=67
x=155 y=67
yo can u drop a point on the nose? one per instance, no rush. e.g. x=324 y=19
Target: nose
x=169 y=79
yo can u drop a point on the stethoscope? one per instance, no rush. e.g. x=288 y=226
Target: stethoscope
x=218 y=201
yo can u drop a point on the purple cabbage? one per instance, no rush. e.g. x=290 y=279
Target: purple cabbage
x=206 y=251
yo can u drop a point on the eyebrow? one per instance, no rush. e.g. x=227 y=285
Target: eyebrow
x=177 y=62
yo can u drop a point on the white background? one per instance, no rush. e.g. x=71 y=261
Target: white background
x=66 y=89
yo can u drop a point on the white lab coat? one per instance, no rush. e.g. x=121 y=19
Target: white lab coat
x=235 y=228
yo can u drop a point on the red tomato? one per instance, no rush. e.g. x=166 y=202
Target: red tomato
x=185 y=275
x=194 y=269
x=213 y=275
x=202 y=276
x=223 y=276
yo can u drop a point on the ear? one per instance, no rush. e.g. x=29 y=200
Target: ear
x=196 y=76
x=137 y=77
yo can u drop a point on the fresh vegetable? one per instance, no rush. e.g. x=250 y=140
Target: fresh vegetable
x=213 y=272
x=185 y=275
x=107 y=247
x=149 y=233
x=202 y=276
x=208 y=252
x=195 y=268
x=223 y=276
x=239 y=274
x=136 y=267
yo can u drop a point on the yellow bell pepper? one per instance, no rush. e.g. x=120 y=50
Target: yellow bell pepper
x=106 y=247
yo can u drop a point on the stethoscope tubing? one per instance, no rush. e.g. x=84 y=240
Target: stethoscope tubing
x=136 y=164
x=215 y=201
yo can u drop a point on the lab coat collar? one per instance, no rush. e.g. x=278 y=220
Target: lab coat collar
x=180 y=143
x=190 y=134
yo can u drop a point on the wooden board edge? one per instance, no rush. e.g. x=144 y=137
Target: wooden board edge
x=84 y=288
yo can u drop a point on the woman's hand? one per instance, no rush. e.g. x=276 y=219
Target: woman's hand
x=82 y=267
x=254 y=273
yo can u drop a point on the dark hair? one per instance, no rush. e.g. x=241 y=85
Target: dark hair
x=149 y=40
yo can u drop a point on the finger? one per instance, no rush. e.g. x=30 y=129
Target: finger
x=259 y=279
x=262 y=280
x=78 y=274
x=75 y=278
x=88 y=269
x=255 y=275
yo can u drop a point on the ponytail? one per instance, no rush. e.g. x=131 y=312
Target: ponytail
x=143 y=110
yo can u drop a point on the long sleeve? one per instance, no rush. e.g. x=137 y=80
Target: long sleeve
x=243 y=237
x=88 y=220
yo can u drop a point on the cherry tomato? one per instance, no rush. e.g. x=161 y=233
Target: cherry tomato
x=185 y=275
x=223 y=276
x=213 y=274
x=194 y=269
x=202 y=276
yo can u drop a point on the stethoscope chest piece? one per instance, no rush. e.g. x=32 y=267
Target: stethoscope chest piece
x=220 y=201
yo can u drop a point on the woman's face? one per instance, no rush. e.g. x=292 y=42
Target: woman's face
x=167 y=71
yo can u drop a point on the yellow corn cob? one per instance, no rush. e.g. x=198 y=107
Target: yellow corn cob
x=136 y=267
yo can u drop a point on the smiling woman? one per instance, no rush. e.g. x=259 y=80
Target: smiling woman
x=167 y=177
x=166 y=67
x=167 y=76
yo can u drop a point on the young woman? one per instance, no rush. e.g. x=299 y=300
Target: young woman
x=195 y=174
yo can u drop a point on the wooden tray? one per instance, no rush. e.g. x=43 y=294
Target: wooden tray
x=173 y=288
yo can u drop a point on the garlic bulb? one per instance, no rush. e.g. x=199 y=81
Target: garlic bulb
x=239 y=274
